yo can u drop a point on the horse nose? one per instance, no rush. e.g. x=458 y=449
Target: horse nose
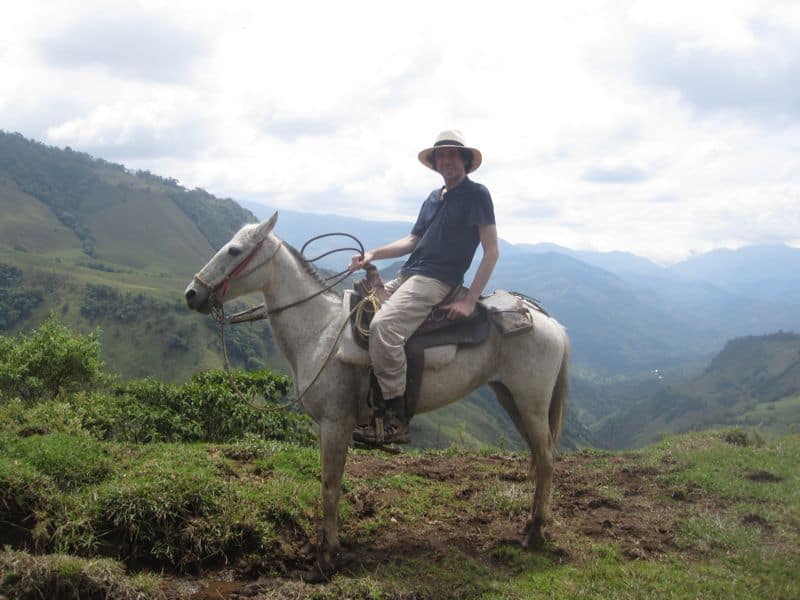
x=190 y=296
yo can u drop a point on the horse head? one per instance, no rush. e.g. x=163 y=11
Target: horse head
x=230 y=272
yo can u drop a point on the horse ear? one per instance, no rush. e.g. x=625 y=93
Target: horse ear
x=267 y=226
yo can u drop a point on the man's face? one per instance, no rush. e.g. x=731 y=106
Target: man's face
x=450 y=163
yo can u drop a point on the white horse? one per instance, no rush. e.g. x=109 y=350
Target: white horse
x=528 y=372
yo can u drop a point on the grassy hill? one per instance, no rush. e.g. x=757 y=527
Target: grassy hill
x=694 y=516
x=754 y=381
x=147 y=490
x=99 y=246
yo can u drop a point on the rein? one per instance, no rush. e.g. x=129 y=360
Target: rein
x=253 y=314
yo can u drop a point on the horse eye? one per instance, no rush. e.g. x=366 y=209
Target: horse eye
x=234 y=251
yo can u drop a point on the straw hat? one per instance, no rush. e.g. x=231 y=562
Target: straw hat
x=450 y=138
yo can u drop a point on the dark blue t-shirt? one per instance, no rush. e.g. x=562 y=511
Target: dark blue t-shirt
x=448 y=232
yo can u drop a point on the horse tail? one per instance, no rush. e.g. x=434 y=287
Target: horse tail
x=558 y=400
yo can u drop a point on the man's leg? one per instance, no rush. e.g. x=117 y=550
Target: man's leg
x=394 y=323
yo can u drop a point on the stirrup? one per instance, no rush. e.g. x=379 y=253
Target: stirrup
x=391 y=430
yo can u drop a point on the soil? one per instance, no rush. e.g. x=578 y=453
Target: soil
x=763 y=476
x=620 y=503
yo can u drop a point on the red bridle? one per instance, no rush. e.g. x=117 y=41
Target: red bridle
x=225 y=282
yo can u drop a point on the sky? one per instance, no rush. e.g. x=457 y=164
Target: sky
x=665 y=129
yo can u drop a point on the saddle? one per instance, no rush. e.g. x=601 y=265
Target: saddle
x=436 y=341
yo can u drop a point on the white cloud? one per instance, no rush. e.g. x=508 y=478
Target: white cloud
x=657 y=128
x=126 y=42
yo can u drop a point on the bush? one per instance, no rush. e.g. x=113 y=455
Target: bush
x=739 y=437
x=207 y=408
x=49 y=360
x=51 y=383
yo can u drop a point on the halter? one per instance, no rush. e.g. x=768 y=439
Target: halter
x=225 y=282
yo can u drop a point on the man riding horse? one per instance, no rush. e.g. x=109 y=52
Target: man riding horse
x=451 y=223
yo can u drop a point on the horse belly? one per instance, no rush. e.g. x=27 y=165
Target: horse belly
x=471 y=368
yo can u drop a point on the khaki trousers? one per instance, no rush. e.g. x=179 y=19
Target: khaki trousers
x=411 y=301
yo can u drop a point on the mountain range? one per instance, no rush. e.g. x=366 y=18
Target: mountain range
x=753 y=381
x=626 y=314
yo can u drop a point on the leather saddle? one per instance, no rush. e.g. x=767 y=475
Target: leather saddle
x=436 y=330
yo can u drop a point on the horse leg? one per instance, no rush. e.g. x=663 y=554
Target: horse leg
x=541 y=473
x=334 y=439
x=534 y=429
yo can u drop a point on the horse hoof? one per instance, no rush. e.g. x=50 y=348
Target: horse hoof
x=315 y=574
x=532 y=540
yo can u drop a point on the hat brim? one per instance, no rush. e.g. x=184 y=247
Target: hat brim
x=426 y=156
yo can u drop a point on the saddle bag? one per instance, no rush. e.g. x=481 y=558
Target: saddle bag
x=509 y=313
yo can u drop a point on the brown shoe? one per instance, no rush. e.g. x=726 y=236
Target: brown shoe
x=391 y=430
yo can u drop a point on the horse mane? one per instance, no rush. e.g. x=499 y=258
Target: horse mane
x=309 y=268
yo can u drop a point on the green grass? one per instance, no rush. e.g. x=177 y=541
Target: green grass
x=257 y=503
x=779 y=417
x=70 y=461
x=603 y=574
x=178 y=504
x=729 y=471
x=23 y=576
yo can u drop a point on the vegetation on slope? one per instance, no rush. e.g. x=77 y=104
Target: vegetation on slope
x=101 y=246
x=78 y=187
x=147 y=490
x=750 y=382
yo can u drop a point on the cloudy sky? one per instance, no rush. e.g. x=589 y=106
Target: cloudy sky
x=660 y=128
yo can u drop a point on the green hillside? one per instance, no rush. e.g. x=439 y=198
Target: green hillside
x=99 y=246
x=754 y=381
x=147 y=490
x=699 y=516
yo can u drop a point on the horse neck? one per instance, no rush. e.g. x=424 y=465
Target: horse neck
x=297 y=330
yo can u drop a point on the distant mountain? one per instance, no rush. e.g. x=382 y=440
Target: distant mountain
x=622 y=264
x=626 y=314
x=768 y=272
x=753 y=381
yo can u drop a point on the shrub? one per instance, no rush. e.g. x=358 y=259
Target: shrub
x=49 y=360
x=206 y=408
x=50 y=380
x=740 y=437
x=146 y=411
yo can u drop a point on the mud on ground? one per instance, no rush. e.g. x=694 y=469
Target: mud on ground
x=610 y=499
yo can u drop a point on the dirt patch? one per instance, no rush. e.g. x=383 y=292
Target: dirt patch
x=623 y=504
x=763 y=477
x=758 y=521
x=479 y=505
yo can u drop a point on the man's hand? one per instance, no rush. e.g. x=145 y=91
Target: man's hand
x=460 y=308
x=360 y=262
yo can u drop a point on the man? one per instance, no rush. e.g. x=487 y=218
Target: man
x=451 y=223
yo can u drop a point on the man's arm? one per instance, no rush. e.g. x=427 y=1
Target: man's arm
x=491 y=252
x=395 y=249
